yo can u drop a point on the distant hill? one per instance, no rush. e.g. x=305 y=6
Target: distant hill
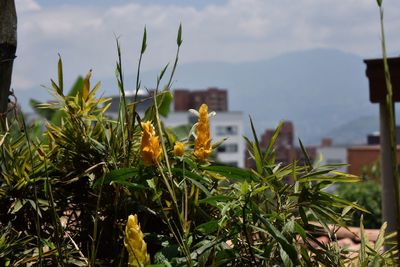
x=354 y=131
x=319 y=89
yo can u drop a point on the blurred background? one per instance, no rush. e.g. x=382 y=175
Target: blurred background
x=299 y=61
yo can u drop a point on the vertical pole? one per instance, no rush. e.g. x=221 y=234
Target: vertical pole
x=389 y=210
x=8 y=46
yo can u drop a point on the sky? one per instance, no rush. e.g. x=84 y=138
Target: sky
x=84 y=32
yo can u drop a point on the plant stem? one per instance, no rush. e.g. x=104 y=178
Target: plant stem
x=56 y=221
x=392 y=129
x=96 y=218
x=37 y=221
x=123 y=116
x=246 y=234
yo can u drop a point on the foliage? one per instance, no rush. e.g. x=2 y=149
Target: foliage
x=368 y=195
x=68 y=191
x=372 y=254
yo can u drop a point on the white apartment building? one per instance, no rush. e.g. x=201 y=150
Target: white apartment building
x=332 y=155
x=223 y=125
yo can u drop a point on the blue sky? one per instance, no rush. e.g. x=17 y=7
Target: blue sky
x=220 y=30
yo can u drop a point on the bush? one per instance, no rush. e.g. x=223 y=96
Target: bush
x=368 y=195
x=69 y=191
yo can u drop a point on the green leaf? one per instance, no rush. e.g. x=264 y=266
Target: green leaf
x=269 y=150
x=379 y=2
x=306 y=157
x=285 y=258
x=346 y=210
x=117 y=176
x=208 y=227
x=181 y=131
x=300 y=230
x=57 y=116
x=219 y=142
x=162 y=72
x=277 y=235
x=381 y=237
x=256 y=149
x=332 y=179
x=326 y=215
x=55 y=87
x=94 y=89
x=17 y=205
x=187 y=173
x=215 y=199
x=232 y=173
x=363 y=246
x=164 y=101
x=199 y=185
x=335 y=199
x=303 y=215
x=179 y=38
x=44 y=112
x=244 y=187
x=60 y=76
x=260 y=189
x=77 y=87
x=144 y=42
x=36 y=208
x=128 y=184
x=289 y=227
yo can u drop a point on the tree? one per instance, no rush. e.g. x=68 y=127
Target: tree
x=8 y=47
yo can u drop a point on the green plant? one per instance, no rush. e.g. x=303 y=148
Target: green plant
x=368 y=195
x=90 y=172
x=373 y=254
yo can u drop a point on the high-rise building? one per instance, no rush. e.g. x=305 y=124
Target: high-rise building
x=216 y=99
x=285 y=150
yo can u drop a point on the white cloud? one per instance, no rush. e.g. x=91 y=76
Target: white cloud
x=239 y=30
x=22 y=82
x=23 y=6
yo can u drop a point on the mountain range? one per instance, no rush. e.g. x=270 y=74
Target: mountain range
x=323 y=91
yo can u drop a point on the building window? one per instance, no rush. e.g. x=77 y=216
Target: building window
x=227 y=148
x=227 y=130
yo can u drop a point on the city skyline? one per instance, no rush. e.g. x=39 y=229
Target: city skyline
x=222 y=31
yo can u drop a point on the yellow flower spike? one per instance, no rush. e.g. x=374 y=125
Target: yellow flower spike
x=150 y=146
x=134 y=243
x=179 y=149
x=202 y=145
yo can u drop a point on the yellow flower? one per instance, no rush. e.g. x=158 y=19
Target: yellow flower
x=179 y=148
x=202 y=145
x=150 y=146
x=134 y=243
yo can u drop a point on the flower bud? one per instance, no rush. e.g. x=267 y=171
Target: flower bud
x=135 y=244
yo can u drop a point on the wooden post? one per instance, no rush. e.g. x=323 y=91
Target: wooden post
x=377 y=94
x=389 y=211
x=8 y=46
